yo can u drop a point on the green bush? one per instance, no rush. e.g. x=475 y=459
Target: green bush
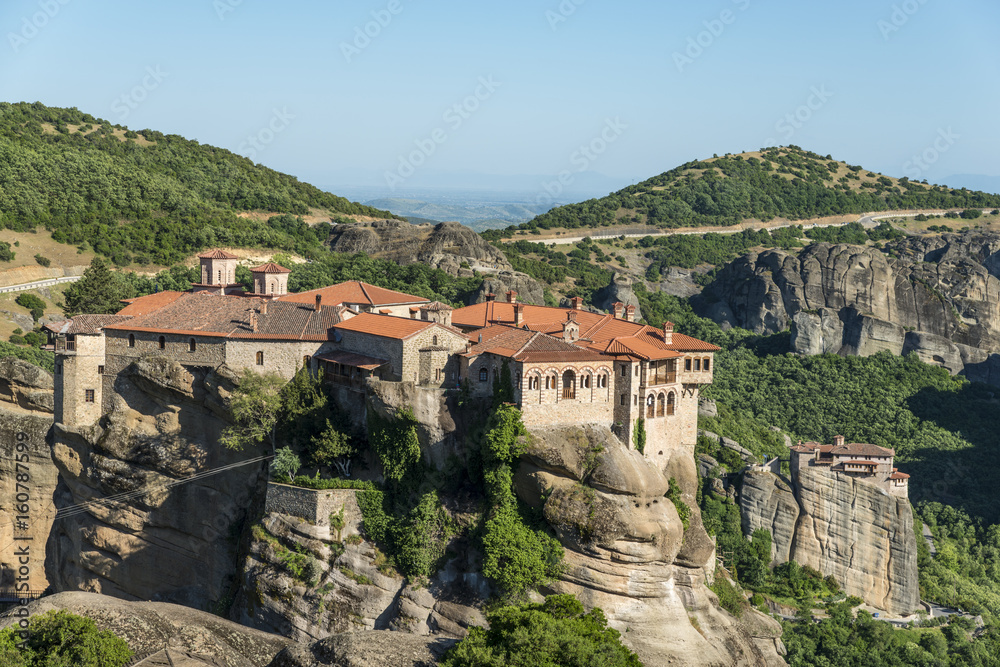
x=556 y=633
x=729 y=598
x=43 y=261
x=59 y=638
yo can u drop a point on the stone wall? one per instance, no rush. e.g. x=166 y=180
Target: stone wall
x=315 y=506
x=283 y=358
x=670 y=434
x=390 y=349
x=542 y=407
x=78 y=372
x=433 y=337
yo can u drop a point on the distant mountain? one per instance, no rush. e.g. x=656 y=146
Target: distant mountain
x=974 y=182
x=478 y=217
x=785 y=182
x=82 y=177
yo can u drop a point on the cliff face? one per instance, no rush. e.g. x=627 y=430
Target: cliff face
x=841 y=526
x=938 y=296
x=170 y=541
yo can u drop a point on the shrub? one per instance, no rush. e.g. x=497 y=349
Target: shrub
x=43 y=261
x=729 y=598
x=59 y=638
x=16 y=340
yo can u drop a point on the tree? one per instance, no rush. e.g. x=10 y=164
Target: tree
x=285 y=464
x=333 y=448
x=58 y=639
x=255 y=405
x=97 y=292
x=555 y=633
x=639 y=437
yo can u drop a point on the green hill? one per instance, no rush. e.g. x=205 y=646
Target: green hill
x=785 y=182
x=144 y=196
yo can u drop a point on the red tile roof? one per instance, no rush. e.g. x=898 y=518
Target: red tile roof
x=386 y=326
x=84 y=324
x=530 y=346
x=899 y=475
x=217 y=254
x=862 y=449
x=270 y=267
x=144 y=305
x=354 y=292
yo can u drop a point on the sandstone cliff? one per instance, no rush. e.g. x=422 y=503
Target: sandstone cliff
x=938 y=296
x=172 y=539
x=841 y=526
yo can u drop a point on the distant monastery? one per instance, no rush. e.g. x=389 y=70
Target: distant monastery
x=870 y=463
x=569 y=366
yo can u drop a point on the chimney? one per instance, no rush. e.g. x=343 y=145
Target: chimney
x=630 y=313
x=511 y=296
x=490 y=297
x=838 y=441
x=263 y=308
x=319 y=303
x=253 y=321
x=618 y=308
x=668 y=333
x=577 y=302
x=518 y=314
x=480 y=338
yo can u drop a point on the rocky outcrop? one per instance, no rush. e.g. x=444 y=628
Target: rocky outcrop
x=374 y=648
x=26 y=385
x=528 y=289
x=628 y=553
x=618 y=291
x=156 y=627
x=938 y=296
x=841 y=526
x=174 y=537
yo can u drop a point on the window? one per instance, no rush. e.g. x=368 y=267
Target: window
x=131 y=340
x=434 y=341
x=306 y=361
x=59 y=368
x=585 y=381
x=484 y=375
x=623 y=399
x=88 y=395
x=687 y=364
x=650 y=406
x=163 y=343
x=637 y=370
x=670 y=403
x=260 y=358
x=569 y=385
x=624 y=371
x=635 y=399
x=100 y=370
x=192 y=345
x=533 y=383
x=707 y=364
x=661 y=402
x=697 y=364
x=220 y=276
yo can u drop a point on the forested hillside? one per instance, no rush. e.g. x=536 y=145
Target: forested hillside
x=785 y=182
x=143 y=196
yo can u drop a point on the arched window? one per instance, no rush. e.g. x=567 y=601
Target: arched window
x=192 y=345
x=707 y=364
x=585 y=381
x=650 y=406
x=484 y=375
x=163 y=343
x=272 y=287
x=661 y=401
x=687 y=364
x=434 y=341
x=602 y=381
x=260 y=358
x=306 y=361
x=569 y=385
x=670 y=403
x=220 y=276
x=131 y=340
x=697 y=364
x=533 y=383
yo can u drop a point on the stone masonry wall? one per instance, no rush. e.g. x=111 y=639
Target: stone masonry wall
x=546 y=407
x=390 y=349
x=283 y=358
x=315 y=506
x=450 y=340
x=78 y=372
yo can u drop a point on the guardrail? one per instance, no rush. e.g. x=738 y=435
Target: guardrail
x=39 y=283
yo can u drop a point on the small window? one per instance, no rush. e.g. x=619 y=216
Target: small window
x=585 y=381
x=163 y=343
x=697 y=364
x=637 y=370
x=434 y=341
x=624 y=371
x=100 y=370
x=88 y=395
x=484 y=375
x=602 y=381
x=635 y=399
x=59 y=368
x=707 y=364
x=687 y=364
x=220 y=276
x=131 y=340
x=622 y=399
x=306 y=361
x=260 y=358
x=192 y=345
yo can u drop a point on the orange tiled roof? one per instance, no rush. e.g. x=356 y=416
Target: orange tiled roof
x=270 y=267
x=84 y=324
x=530 y=346
x=217 y=254
x=861 y=449
x=898 y=475
x=354 y=291
x=144 y=305
x=386 y=326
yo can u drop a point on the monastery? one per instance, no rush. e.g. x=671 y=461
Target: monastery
x=862 y=461
x=568 y=365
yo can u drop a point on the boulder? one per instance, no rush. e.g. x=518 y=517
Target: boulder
x=619 y=290
x=707 y=408
x=374 y=648
x=26 y=385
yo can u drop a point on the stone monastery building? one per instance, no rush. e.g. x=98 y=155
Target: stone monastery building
x=567 y=365
x=867 y=462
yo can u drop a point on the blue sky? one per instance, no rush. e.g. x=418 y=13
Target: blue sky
x=646 y=85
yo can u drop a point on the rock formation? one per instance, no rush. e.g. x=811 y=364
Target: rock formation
x=375 y=648
x=937 y=296
x=619 y=290
x=173 y=540
x=841 y=526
